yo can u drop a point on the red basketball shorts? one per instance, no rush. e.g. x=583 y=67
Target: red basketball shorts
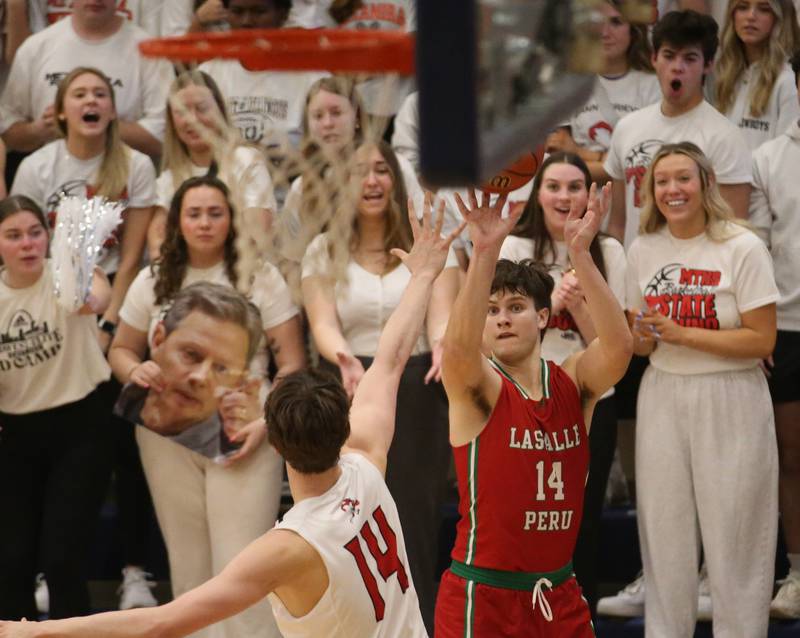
x=466 y=609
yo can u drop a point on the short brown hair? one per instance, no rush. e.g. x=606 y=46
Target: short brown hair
x=308 y=420
x=219 y=302
x=528 y=278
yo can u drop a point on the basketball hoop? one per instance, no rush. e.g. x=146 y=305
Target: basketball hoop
x=334 y=50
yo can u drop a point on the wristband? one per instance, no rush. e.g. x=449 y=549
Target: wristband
x=107 y=326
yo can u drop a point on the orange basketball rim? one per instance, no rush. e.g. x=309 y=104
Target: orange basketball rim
x=335 y=50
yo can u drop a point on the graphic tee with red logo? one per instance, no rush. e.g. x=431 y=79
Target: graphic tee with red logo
x=700 y=283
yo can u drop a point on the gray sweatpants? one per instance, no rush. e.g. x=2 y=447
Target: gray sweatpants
x=707 y=468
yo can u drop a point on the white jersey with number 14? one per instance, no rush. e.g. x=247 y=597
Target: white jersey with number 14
x=355 y=528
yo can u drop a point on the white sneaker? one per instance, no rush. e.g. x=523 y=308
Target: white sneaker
x=786 y=603
x=42 y=595
x=704 y=596
x=628 y=603
x=135 y=589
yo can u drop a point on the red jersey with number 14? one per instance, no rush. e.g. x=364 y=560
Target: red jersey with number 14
x=521 y=480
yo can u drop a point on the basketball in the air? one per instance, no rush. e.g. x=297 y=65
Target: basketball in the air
x=517 y=174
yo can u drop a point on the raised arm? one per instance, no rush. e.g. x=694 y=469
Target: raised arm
x=372 y=413
x=326 y=329
x=606 y=358
x=469 y=380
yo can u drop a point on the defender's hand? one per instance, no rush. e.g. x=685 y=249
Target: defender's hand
x=351 y=370
x=429 y=252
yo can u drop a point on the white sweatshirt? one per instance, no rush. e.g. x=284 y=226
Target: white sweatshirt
x=774 y=206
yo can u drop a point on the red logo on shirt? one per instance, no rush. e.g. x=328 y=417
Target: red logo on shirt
x=689 y=301
x=350 y=506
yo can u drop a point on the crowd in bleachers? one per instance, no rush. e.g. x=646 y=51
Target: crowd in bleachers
x=295 y=187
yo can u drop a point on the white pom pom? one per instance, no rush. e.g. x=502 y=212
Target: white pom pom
x=82 y=227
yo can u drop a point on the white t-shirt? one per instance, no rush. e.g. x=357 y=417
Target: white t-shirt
x=266 y=106
x=332 y=524
x=176 y=17
x=699 y=283
x=311 y=14
x=638 y=137
x=366 y=302
x=52 y=172
x=140 y=84
x=774 y=207
x=48 y=357
x=405 y=138
x=384 y=94
x=269 y=293
x=611 y=100
x=144 y=13
x=253 y=182
x=783 y=108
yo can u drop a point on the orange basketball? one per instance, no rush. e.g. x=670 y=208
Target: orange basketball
x=517 y=174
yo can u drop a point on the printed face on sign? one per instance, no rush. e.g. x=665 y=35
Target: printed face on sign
x=200 y=359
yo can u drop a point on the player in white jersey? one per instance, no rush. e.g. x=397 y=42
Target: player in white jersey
x=337 y=566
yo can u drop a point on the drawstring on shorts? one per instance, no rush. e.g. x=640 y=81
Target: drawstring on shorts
x=538 y=596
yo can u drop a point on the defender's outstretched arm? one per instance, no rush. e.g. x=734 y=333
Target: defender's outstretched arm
x=372 y=414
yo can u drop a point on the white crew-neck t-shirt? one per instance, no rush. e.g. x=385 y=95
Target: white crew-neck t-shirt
x=52 y=172
x=48 y=357
x=638 y=137
x=700 y=283
x=140 y=84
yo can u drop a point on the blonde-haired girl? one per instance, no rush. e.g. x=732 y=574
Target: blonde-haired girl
x=92 y=160
x=701 y=297
x=754 y=85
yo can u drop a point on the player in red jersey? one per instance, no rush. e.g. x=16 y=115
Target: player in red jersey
x=519 y=430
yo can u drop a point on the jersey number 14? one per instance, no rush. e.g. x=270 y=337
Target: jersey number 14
x=388 y=562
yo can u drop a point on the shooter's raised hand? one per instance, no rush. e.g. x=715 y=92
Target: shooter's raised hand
x=580 y=231
x=487 y=226
x=429 y=252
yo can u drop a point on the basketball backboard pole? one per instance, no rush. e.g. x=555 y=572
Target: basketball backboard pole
x=496 y=76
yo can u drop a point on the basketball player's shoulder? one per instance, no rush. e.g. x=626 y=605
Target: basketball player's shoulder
x=359 y=463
